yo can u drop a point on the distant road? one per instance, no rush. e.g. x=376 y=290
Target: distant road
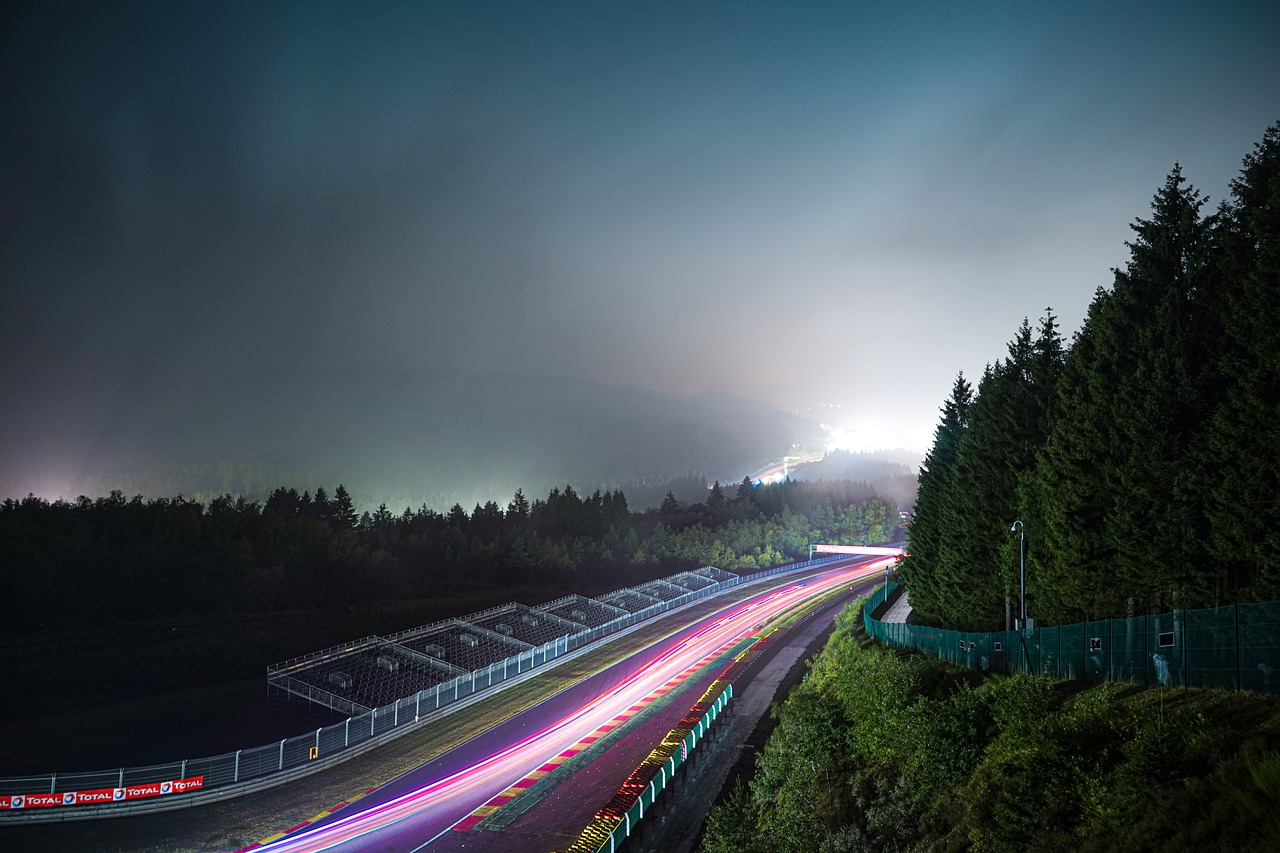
x=414 y=810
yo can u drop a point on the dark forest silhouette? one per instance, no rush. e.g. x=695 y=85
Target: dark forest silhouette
x=1143 y=459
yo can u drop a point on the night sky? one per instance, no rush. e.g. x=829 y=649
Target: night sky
x=796 y=203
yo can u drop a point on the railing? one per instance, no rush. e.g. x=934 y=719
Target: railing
x=1234 y=647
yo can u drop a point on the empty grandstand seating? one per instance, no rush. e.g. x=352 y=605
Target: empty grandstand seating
x=466 y=646
x=690 y=581
x=584 y=611
x=630 y=600
x=525 y=624
x=375 y=671
x=662 y=590
x=374 y=676
x=714 y=574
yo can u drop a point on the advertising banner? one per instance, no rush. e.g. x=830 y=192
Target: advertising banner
x=101 y=795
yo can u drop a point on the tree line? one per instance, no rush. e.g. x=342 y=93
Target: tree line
x=99 y=561
x=1143 y=458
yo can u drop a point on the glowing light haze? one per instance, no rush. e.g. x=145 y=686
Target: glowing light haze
x=798 y=203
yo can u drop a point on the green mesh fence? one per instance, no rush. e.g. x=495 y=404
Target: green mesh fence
x=1235 y=647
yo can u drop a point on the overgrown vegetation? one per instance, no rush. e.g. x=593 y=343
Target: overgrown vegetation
x=1142 y=459
x=883 y=750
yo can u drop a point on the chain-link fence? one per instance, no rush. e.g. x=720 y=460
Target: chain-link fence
x=1235 y=647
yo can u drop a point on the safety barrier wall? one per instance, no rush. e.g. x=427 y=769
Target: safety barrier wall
x=665 y=776
x=119 y=791
x=1234 y=647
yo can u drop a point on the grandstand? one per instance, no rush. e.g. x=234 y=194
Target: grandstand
x=630 y=600
x=376 y=671
x=375 y=675
x=525 y=624
x=662 y=589
x=718 y=575
x=585 y=611
x=461 y=644
x=691 y=581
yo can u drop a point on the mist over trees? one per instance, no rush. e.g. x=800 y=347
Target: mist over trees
x=407 y=437
x=1143 y=460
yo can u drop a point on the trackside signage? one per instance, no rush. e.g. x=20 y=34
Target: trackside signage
x=101 y=795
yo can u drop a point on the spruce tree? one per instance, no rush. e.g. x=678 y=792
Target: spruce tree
x=1123 y=517
x=918 y=570
x=1244 y=435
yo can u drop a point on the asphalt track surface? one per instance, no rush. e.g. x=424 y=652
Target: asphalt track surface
x=418 y=808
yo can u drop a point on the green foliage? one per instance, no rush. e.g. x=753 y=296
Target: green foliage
x=879 y=749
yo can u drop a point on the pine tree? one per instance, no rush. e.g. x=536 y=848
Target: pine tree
x=1244 y=435
x=344 y=511
x=918 y=571
x=1123 y=521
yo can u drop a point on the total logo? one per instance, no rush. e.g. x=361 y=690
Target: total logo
x=101 y=795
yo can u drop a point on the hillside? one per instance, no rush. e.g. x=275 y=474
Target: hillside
x=880 y=749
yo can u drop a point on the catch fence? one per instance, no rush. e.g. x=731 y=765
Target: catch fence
x=1233 y=647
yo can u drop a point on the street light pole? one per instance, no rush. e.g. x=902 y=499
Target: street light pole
x=1021 y=530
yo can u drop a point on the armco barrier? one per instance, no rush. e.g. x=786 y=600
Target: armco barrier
x=623 y=825
x=257 y=768
x=1235 y=647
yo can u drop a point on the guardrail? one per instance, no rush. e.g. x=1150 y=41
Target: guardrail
x=189 y=782
x=595 y=839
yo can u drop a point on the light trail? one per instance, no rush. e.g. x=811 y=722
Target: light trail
x=445 y=801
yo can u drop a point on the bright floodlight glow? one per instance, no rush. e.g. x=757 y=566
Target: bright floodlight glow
x=865 y=438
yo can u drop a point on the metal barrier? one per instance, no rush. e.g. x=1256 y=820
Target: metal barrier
x=600 y=841
x=1234 y=647
x=133 y=790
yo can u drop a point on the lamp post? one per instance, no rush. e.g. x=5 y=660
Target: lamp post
x=1021 y=530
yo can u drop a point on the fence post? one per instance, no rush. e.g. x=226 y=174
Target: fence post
x=346 y=734
x=282 y=740
x=1239 y=672
x=1186 y=654
x=1146 y=649
x=183 y=775
x=121 y=785
x=53 y=782
x=235 y=777
x=1111 y=650
x=373 y=719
